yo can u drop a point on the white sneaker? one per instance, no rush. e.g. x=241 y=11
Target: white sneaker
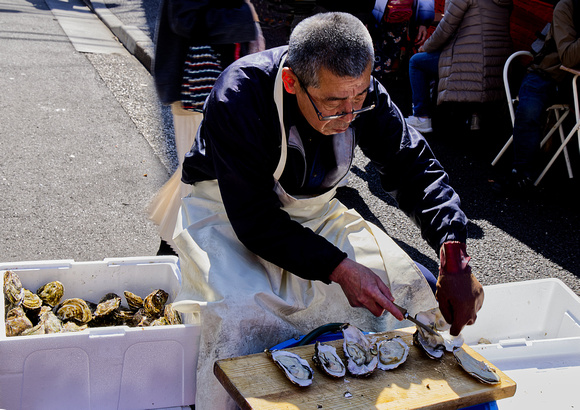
x=420 y=124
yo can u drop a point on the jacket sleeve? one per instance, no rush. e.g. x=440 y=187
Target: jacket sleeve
x=242 y=131
x=205 y=22
x=565 y=34
x=448 y=26
x=411 y=174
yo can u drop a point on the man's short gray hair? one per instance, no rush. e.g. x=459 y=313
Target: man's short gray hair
x=337 y=41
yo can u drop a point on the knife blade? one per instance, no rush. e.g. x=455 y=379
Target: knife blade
x=415 y=321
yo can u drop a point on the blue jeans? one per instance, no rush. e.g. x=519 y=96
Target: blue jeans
x=423 y=68
x=536 y=94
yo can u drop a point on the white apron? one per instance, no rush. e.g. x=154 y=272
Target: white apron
x=247 y=304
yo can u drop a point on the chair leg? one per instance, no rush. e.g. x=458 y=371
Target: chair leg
x=560 y=149
x=503 y=150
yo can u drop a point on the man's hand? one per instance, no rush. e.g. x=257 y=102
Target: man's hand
x=363 y=288
x=421 y=35
x=459 y=293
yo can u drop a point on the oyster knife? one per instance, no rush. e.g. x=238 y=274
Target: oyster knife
x=415 y=321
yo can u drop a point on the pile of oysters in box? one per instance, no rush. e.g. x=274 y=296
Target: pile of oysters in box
x=43 y=312
x=365 y=353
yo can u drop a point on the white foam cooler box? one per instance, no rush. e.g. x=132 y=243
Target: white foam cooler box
x=531 y=331
x=117 y=367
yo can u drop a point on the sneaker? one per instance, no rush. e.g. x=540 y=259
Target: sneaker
x=474 y=122
x=517 y=185
x=420 y=124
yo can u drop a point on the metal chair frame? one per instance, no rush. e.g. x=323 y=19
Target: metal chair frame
x=560 y=111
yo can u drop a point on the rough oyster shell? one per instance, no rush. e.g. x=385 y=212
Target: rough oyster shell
x=108 y=304
x=73 y=327
x=296 y=369
x=133 y=301
x=161 y=321
x=124 y=316
x=17 y=322
x=476 y=368
x=31 y=301
x=51 y=293
x=13 y=290
x=361 y=354
x=154 y=303
x=74 y=309
x=173 y=316
x=327 y=359
x=392 y=353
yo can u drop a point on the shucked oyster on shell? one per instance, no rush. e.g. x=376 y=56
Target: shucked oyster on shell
x=326 y=358
x=360 y=353
x=392 y=353
x=476 y=368
x=296 y=369
x=435 y=319
x=432 y=345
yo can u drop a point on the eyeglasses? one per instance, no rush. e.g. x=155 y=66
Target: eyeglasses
x=336 y=116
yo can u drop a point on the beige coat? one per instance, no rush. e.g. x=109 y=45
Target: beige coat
x=474 y=39
x=567 y=41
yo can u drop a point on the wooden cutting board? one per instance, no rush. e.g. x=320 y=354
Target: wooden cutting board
x=256 y=382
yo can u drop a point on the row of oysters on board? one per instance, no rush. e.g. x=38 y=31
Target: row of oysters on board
x=28 y=313
x=363 y=354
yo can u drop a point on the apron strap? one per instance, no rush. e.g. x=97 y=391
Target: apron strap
x=278 y=99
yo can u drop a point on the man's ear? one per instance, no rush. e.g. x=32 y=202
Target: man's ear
x=290 y=80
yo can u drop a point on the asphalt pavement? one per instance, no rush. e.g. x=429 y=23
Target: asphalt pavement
x=86 y=144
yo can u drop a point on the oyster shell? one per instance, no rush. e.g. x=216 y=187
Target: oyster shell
x=296 y=369
x=392 y=353
x=161 y=321
x=108 y=304
x=17 y=322
x=133 y=301
x=31 y=301
x=154 y=303
x=51 y=323
x=124 y=316
x=173 y=316
x=141 y=319
x=74 y=309
x=51 y=293
x=73 y=327
x=476 y=368
x=435 y=319
x=433 y=346
x=13 y=290
x=327 y=359
x=361 y=354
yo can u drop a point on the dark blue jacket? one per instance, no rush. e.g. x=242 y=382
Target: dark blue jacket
x=239 y=144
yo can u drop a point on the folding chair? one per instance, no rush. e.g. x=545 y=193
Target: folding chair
x=560 y=112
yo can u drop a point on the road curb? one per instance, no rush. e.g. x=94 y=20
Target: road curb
x=132 y=37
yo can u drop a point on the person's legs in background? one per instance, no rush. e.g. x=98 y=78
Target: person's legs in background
x=535 y=95
x=423 y=68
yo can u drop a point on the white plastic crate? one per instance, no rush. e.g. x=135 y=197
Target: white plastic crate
x=534 y=330
x=116 y=367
